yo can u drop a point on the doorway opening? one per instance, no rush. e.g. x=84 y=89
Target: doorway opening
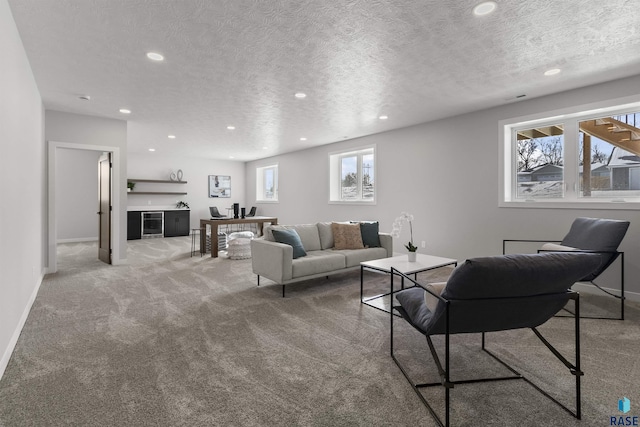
x=56 y=232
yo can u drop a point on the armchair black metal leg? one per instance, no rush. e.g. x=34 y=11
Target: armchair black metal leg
x=282 y=291
x=579 y=372
x=622 y=287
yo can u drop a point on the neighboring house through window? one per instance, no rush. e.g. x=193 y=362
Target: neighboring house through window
x=587 y=158
x=352 y=176
x=267 y=183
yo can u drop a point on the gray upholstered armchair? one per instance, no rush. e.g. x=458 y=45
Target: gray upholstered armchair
x=592 y=235
x=489 y=295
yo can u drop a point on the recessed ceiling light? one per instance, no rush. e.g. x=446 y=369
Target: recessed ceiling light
x=264 y=148
x=300 y=95
x=155 y=56
x=303 y=139
x=552 y=72
x=383 y=117
x=484 y=8
x=231 y=127
x=231 y=157
x=152 y=149
x=171 y=136
x=125 y=111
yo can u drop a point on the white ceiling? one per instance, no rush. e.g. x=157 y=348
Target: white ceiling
x=239 y=62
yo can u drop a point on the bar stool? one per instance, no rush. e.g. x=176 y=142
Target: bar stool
x=195 y=232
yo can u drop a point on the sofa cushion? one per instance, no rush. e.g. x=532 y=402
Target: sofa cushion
x=317 y=262
x=326 y=235
x=291 y=238
x=309 y=236
x=346 y=236
x=354 y=257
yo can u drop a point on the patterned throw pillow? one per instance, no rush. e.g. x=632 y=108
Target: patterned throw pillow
x=346 y=236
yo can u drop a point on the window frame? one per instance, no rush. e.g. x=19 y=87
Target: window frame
x=335 y=175
x=569 y=118
x=261 y=191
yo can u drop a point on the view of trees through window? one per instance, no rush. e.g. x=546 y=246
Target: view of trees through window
x=540 y=162
x=608 y=159
x=356 y=174
x=352 y=176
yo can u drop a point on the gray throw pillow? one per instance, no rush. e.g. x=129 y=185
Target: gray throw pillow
x=291 y=238
x=369 y=232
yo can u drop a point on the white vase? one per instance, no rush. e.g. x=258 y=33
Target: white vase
x=412 y=256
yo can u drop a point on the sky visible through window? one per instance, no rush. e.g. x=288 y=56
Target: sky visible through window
x=350 y=165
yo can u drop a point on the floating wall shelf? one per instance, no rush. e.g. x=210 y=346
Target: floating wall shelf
x=157 y=181
x=156 y=192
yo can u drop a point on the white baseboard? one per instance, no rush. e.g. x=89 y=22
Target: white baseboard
x=590 y=289
x=4 y=362
x=78 y=240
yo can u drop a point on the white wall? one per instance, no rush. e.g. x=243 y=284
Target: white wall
x=77 y=195
x=446 y=174
x=195 y=171
x=91 y=132
x=22 y=187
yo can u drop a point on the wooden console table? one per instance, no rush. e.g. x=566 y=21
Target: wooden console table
x=215 y=223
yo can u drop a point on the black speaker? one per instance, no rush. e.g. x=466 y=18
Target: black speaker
x=236 y=208
x=243 y=211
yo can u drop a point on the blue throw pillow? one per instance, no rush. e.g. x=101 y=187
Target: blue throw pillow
x=291 y=238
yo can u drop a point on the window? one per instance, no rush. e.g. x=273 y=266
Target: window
x=610 y=156
x=267 y=183
x=585 y=158
x=352 y=176
x=540 y=172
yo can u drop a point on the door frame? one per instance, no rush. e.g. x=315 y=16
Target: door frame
x=53 y=146
x=105 y=251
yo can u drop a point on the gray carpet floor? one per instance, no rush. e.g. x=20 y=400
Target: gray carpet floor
x=174 y=340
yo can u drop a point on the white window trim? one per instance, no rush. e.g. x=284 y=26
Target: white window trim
x=570 y=118
x=260 y=171
x=335 y=166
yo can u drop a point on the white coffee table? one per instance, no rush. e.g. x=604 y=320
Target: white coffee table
x=403 y=265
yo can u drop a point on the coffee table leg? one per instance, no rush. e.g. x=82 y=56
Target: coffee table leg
x=361 y=285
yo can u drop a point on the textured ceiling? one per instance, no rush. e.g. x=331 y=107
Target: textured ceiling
x=239 y=62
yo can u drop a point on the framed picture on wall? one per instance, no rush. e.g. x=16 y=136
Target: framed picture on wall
x=219 y=186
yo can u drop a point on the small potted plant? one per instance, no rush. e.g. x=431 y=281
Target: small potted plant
x=182 y=204
x=395 y=232
x=130 y=186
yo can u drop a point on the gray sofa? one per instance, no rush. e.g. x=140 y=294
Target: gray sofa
x=275 y=260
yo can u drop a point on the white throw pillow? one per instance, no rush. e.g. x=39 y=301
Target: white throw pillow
x=556 y=247
x=430 y=300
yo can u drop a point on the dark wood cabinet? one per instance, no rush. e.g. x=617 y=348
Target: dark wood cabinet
x=134 y=225
x=176 y=223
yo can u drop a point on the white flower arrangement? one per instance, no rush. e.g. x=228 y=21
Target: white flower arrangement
x=397 y=228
